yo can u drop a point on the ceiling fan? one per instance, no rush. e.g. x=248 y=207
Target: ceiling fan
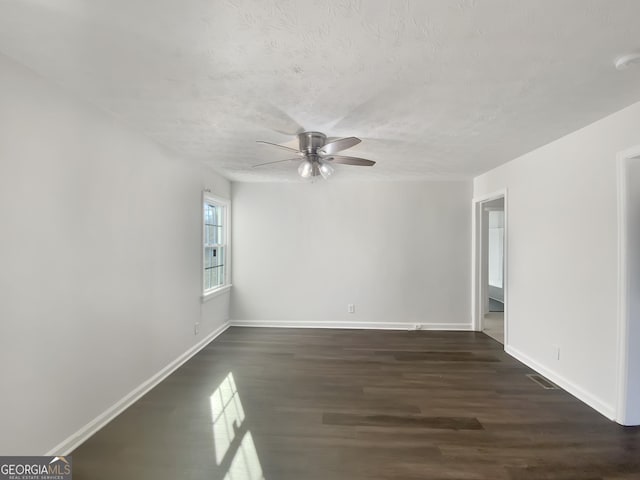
x=318 y=154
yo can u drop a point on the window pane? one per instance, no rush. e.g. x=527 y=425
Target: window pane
x=208 y=279
x=209 y=234
x=214 y=277
x=212 y=234
x=213 y=224
x=214 y=251
x=212 y=215
x=209 y=213
x=214 y=267
x=220 y=257
x=209 y=256
x=496 y=248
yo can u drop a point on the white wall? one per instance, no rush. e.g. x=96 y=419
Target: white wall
x=99 y=261
x=399 y=251
x=562 y=244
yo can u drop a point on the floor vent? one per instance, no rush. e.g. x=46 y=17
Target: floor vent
x=543 y=382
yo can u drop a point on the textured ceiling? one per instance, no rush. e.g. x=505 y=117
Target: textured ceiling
x=436 y=89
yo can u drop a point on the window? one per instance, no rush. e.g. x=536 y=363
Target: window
x=496 y=248
x=215 y=250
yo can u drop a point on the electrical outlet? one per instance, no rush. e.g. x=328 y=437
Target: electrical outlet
x=196 y=328
x=556 y=352
x=351 y=308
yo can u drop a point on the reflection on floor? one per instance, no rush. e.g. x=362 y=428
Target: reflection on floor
x=493 y=325
x=495 y=305
x=320 y=404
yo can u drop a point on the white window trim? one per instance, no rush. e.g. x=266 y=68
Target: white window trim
x=215 y=292
x=226 y=204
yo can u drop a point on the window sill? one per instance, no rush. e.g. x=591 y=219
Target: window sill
x=215 y=293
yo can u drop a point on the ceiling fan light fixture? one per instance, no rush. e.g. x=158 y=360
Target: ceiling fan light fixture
x=306 y=168
x=325 y=169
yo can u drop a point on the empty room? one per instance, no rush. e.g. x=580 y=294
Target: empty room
x=333 y=239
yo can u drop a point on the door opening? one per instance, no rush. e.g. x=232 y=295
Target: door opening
x=628 y=402
x=490 y=266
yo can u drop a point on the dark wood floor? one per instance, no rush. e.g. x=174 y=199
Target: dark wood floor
x=285 y=404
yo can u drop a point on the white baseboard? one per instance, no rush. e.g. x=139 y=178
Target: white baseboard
x=351 y=325
x=76 y=439
x=578 y=392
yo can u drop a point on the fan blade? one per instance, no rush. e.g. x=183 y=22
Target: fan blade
x=338 y=145
x=362 y=162
x=277 y=161
x=279 y=146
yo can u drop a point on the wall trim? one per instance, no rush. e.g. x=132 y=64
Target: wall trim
x=350 y=325
x=581 y=394
x=623 y=301
x=79 y=437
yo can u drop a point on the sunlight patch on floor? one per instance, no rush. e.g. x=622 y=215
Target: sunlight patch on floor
x=231 y=439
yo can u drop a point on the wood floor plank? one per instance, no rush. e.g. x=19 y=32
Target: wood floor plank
x=307 y=404
x=396 y=421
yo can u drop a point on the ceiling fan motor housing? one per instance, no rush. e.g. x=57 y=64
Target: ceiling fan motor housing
x=311 y=142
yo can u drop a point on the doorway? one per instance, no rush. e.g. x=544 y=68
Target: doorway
x=628 y=403
x=490 y=266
